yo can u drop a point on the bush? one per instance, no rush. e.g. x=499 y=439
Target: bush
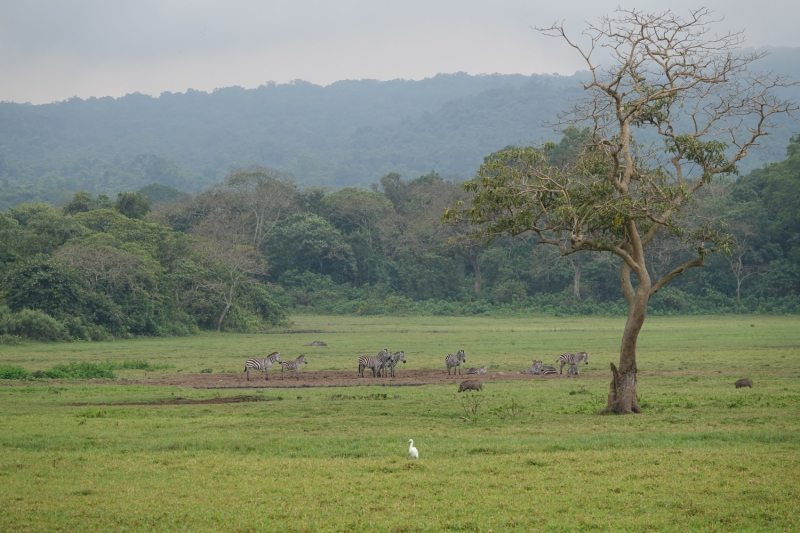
x=82 y=370
x=13 y=372
x=34 y=325
x=10 y=340
x=135 y=364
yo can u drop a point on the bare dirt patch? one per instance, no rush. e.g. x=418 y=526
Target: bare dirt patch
x=330 y=378
x=333 y=378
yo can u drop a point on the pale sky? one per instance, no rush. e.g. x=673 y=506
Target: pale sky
x=51 y=50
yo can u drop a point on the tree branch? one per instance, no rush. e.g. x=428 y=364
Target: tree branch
x=699 y=262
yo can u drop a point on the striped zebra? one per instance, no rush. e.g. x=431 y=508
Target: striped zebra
x=293 y=365
x=455 y=360
x=546 y=369
x=572 y=370
x=535 y=368
x=375 y=362
x=393 y=360
x=261 y=364
x=572 y=359
x=481 y=370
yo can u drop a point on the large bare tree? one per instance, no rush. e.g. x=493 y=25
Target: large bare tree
x=666 y=79
x=227 y=260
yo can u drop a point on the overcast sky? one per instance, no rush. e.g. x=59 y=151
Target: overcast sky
x=51 y=50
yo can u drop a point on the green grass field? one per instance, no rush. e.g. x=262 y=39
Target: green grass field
x=703 y=457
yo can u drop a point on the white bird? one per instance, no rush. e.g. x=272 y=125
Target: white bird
x=413 y=451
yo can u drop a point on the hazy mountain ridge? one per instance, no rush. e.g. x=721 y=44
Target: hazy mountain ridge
x=347 y=133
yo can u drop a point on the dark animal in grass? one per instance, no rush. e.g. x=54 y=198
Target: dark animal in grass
x=745 y=382
x=472 y=384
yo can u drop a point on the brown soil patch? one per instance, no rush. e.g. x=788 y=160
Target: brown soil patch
x=332 y=378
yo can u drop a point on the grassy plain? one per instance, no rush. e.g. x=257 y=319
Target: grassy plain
x=703 y=457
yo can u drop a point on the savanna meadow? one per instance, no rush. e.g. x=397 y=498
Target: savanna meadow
x=174 y=437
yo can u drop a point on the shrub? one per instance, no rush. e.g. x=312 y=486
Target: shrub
x=13 y=372
x=82 y=370
x=33 y=324
x=10 y=340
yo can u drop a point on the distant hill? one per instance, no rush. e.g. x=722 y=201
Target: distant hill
x=347 y=133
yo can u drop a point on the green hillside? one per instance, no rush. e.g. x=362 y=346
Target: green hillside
x=349 y=133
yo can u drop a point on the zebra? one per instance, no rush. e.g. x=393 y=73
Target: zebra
x=293 y=365
x=261 y=364
x=538 y=368
x=394 y=359
x=376 y=363
x=548 y=369
x=572 y=370
x=572 y=359
x=455 y=360
x=535 y=368
x=385 y=357
x=481 y=370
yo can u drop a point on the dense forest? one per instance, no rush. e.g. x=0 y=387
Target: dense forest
x=245 y=253
x=347 y=134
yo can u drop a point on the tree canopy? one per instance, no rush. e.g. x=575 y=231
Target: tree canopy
x=694 y=93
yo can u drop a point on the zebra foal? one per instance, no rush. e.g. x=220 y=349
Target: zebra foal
x=572 y=359
x=535 y=368
x=261 y=364
x=539 y=368
x=455 y=360
x=481 y=370
x=294 y=365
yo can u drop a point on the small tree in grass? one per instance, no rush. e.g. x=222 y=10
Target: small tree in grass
x=668 y=79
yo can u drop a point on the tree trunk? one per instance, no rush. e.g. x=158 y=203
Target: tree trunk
x=222 y=317
x=622 y=391
x=576 y=285
x=477 y=269
x=228 y=303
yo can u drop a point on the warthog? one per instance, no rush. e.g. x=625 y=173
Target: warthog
x=473 y=384
x=744 y=382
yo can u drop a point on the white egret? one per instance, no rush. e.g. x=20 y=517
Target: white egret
x=413 y=451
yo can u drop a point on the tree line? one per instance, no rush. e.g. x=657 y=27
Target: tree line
x=249 y=251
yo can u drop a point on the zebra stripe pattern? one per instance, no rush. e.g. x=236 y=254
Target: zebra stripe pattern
x=572 y=359
x=393 y=360
x=261 y=364
x=293 y=365
x=455 y=360
x=572 y=370
x=538 y=368
x=376 y=363
x=535 y=368
x=481 y=370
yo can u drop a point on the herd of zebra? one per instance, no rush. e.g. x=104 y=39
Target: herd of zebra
x=275 y=357
x=385 y=362
x=571 y=359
